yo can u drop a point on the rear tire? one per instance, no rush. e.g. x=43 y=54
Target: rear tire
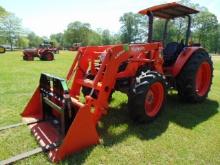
x=147 y=96
x=195 y=79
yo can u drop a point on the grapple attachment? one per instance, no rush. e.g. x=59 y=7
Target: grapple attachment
x=60 y=119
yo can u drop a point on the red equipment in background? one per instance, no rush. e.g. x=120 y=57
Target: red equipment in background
x=42 y=53
x=45 y=52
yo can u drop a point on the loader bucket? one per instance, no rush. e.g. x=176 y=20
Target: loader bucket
x=60 y=119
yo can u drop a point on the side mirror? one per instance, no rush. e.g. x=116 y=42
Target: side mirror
x=2 y=49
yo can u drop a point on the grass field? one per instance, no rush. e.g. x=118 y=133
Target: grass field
x=183 y=134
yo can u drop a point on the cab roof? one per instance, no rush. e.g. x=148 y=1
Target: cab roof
x=169 y=10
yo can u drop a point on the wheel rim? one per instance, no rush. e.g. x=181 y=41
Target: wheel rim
x=154 y=99
x=203 y=78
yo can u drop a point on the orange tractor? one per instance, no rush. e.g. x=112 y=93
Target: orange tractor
x=143 y=71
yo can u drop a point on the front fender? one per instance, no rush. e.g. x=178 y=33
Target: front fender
x=183 y=58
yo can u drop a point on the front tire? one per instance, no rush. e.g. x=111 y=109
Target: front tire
x=147 y=97
x=28 y=58
x=195 y=79
x=48 y=56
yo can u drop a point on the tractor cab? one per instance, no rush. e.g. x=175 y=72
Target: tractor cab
x=169 y=12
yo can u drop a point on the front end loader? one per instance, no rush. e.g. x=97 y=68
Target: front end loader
x=59 y=115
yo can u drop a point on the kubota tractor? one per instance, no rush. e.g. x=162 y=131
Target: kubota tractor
x=45 y=52
x=65 y=125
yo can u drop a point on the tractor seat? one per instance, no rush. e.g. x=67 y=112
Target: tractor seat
x=171 y=52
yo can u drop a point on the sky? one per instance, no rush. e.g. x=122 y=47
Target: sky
x=46 y=17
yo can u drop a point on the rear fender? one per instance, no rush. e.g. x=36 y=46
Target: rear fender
x=183 y=58
x=30 y=52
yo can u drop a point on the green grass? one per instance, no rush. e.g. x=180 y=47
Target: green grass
x=183 y=134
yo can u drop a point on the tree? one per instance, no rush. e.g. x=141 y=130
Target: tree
x=205 y=28
x=206 y=25
x=217 y=45
x=77 y=32
x=23 y=42
x=94 y=38
x=57 y=39
x=106 y=37
x=11 y=28
x=133 y=28
x=116 y=39
x=214 y=40
x=34 y=40
x=3 y=13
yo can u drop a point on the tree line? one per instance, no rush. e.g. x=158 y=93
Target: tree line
x=205 y=30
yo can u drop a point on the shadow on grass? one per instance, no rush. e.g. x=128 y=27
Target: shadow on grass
x=183 y=114
x=190 y=115
x=37 y=60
